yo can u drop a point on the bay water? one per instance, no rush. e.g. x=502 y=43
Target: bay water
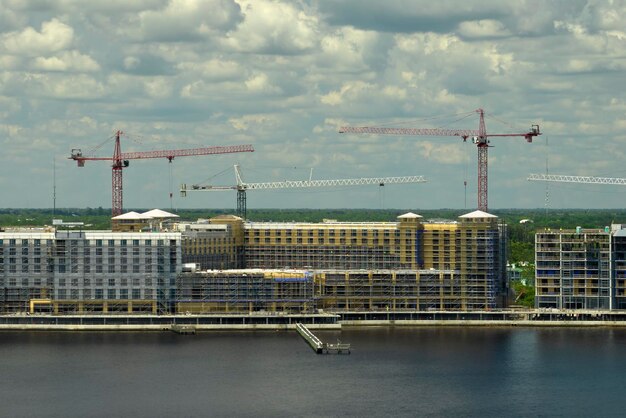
x=391 y=371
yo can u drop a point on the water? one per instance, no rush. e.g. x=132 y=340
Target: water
x=391 y=372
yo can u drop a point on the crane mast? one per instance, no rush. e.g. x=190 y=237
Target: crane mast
x=120 y=160
x=479 y=137
x=241 y=187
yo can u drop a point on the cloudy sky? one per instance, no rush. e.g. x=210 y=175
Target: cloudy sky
x=285 y=75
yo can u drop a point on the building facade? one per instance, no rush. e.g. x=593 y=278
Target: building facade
x=458 y=265
x=581 y=268
x=246 y=266
x=91 y=271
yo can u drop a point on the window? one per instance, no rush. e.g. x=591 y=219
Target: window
x=111 y=282
x=136 y=268
x=99 y=294
x=111 y=294
x=98 y=268
x=136 y=293
x=123 y=293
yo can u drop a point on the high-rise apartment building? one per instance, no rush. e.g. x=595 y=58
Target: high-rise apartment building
x=581 y=268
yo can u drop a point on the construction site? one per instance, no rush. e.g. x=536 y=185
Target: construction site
x=154 y=263
x=225 y=264
x=334 y=266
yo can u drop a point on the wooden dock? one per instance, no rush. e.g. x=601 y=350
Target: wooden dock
x=317 y=345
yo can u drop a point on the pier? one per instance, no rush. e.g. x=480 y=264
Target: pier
x=317 y=345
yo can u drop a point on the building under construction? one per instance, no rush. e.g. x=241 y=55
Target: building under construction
x=239 y=266
x=581 y=268
x=56 y=271
x=408 y=264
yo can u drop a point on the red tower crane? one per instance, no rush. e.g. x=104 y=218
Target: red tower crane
x=120 y=161
x=479 y=137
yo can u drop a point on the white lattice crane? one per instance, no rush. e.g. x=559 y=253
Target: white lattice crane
x=560 y=178
x=479 y=137
x=242 y=186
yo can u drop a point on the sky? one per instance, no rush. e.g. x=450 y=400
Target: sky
x=283 y=76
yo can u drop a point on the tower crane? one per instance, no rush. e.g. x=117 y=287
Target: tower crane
x=479 y=137
x=559 y=178
x=120 y=160
x=242 y=186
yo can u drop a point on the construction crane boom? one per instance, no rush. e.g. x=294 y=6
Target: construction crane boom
x=290 y=184
x=479 y=137
x=559 y=178
x=120 y=161
x=242 y=186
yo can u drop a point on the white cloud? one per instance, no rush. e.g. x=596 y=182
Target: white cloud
x=487 y=28
x=66 y=61
x=77 y=86
x=158 y=87
x=273 y=28
x=54 y=36
x=285 y=75
x=246 y=122
x=350 y=91
x=261 y=83
x=443 y=153
x=187 y=20
x=214 y=69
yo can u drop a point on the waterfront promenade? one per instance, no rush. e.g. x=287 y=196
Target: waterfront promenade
x=334 y=320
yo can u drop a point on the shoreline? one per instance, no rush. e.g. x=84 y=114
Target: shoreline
x=318 y=321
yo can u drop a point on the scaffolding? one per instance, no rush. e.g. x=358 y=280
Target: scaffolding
x=245 y=291
x=573 y=269
x=75 y=272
